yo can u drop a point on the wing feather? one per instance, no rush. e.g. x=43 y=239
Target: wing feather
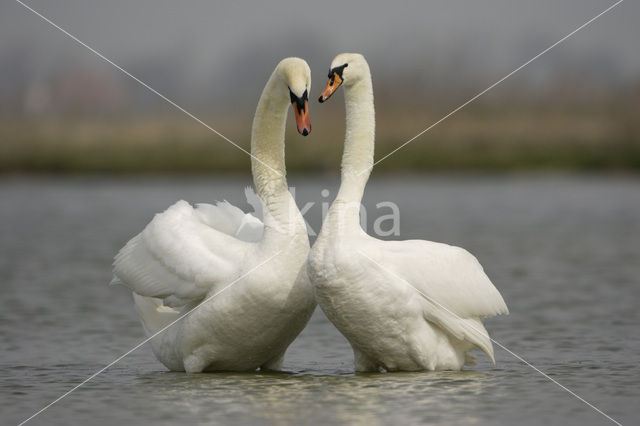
x=456 y=291
x=183 y=253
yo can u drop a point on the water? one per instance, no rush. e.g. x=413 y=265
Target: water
x=564 y=252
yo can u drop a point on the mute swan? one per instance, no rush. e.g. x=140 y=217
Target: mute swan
x=185 y=255
x=403 y=305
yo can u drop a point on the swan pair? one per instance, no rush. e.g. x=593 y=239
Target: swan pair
x=251 y=286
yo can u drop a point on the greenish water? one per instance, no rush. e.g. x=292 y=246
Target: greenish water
x=563 y=250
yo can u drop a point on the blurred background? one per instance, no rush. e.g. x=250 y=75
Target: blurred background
x=63 y=109
x=88 y=156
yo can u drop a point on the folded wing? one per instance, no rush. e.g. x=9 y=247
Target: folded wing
x=455 y=290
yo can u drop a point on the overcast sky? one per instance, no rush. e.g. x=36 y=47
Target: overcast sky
x=193 y=46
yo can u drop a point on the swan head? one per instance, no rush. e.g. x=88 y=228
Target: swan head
x=296 y=77
x=347 y=69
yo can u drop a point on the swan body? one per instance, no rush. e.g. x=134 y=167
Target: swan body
x=244 y=276
x=403 y=305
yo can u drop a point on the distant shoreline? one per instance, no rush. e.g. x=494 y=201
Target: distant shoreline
x=476 y=140
x=465 y=156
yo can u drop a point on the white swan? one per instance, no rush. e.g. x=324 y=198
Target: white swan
x=403 y=305
x=250 y=275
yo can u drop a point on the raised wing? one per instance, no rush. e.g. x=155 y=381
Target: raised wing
x=185 y=252
x=227 y=218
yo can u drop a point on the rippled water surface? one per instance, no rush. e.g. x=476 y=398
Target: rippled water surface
x=564 y=252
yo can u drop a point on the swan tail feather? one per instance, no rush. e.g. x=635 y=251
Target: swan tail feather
x=475 y=332
x=465 y=329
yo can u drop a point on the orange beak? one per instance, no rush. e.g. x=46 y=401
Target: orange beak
x=335 y=80
x=301 y=111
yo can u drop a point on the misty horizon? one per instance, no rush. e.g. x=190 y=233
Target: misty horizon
x=215 y=56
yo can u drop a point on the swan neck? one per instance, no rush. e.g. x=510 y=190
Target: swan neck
x=267 y=140
x=357 y=158
x=282 y=219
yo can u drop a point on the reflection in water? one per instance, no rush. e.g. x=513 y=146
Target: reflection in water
x=562 y=250
x=342 y=398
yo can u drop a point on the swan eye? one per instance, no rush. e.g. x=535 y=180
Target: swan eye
x=338 y=70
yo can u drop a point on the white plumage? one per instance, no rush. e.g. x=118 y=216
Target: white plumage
x=245 y=278
x=184 y=253
x=403 y=305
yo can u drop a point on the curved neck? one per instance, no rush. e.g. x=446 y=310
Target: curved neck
x=267 y=140
x=281 y=215
x=357 y=158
